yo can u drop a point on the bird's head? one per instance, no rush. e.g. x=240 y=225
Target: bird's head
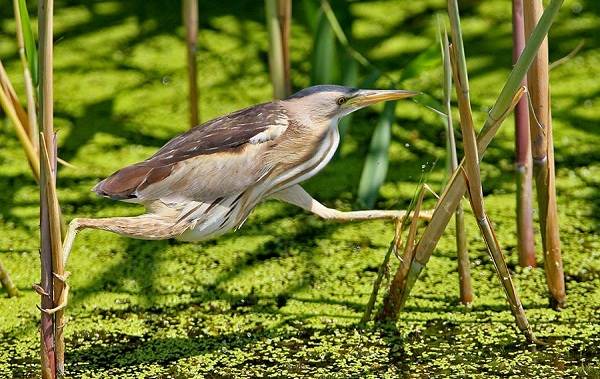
x=329 y=103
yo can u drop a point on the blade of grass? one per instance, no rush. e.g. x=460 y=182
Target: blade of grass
x=24 y=33
x=27 y=38
x=7 y=283
x=311 y=10
x=190 y=20
x=276 y=63
x=523 y=170
x=464 y=266
x=376 y=162
x=543 y=160
x=324 y=55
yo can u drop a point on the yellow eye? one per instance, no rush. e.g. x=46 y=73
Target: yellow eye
x=341 y=100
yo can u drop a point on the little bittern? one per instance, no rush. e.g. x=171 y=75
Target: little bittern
x=206 y=181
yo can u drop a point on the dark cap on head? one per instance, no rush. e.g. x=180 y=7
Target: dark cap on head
x=322 y=88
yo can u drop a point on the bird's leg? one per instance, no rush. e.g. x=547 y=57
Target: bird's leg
x=148 y=226
x=296 y=195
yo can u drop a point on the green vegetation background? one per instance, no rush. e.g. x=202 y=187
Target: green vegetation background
x=283 y=296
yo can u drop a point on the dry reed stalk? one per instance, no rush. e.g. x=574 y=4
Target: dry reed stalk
x=464 y=265
x=542 y=150
x=32 y=126
x=523 y=170
x=9 y=91
x=393 y=301
x=7 y=283
x=190 y=19
x=9 y=108
x=284 y=12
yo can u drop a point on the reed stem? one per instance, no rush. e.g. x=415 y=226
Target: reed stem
x=7 y=283
x=190 y=19
x=51 y=285
x=523 y=170
x=464 y=265
x=542 y=149
x=276 y=55
x=284 y=13
x=32 y=125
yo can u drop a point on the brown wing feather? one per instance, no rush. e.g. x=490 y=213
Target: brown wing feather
x=221 y=134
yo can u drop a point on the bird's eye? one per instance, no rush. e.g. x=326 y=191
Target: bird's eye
x=341 y=100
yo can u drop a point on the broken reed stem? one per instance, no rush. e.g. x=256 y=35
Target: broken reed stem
x=52 y=360
x=7 y=283
x=32 y=126
x=8 y=107
x=276 y=59
x=393 y=301
x=382 y=269
x=523 y=170
x=284 y=12
x=464 y=265
x=542 y=150
x=190 y=20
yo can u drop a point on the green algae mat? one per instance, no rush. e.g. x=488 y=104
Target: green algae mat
x=283 y=296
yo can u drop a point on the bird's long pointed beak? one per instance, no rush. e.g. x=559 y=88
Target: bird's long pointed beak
x=365 y=98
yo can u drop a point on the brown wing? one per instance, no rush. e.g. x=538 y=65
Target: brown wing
x=252 y=125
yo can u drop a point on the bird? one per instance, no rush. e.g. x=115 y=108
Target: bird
x=205 y=182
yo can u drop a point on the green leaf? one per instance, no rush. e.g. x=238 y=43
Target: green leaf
x=376 y=163
x=324 y=67
x=425 y=61
x=30 y=45
x=312 y=11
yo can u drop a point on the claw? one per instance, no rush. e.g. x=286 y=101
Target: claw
x=62 y=278
x=40 y=291
x=64 y=295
